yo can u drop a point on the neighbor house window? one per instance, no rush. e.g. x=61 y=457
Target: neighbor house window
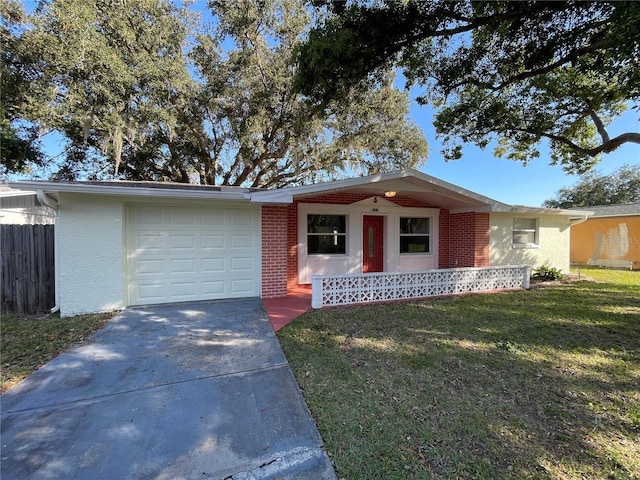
x=415 y=234
x=326 y=234
x=525 y=232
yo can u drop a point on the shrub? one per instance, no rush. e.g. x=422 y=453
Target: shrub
x=547 y=274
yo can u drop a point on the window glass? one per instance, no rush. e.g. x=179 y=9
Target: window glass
x=415 y=235
x=326 y=223
x=524 y=231
x=524 y=223
x=414 y=226
x=326 y=234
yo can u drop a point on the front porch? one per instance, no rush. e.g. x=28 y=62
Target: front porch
x=284 y=310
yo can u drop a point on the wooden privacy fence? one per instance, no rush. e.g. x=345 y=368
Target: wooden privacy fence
x=27 y=268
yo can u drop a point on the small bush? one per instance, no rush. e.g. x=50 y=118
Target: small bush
x=547 y=274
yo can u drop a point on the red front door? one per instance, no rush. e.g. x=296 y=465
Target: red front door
x=372 y=244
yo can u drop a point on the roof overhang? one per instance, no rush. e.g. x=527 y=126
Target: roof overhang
x=136 y=189
x=547 y=211
x=411 y=183
x=8 y=191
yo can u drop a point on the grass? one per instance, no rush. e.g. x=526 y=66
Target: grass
x=539 y=384
x=29 y=341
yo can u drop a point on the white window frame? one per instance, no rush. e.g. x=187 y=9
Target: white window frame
x=409 y=235
x=335 y=234
x=526 y=231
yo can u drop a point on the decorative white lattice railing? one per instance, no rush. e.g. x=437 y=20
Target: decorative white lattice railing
x=330 y=290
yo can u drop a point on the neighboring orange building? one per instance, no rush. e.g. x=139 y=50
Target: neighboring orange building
x=609 y=238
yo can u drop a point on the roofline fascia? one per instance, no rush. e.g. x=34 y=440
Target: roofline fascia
x=131 y=191
x=485 y=209
x=543 y=211
x=596 y=215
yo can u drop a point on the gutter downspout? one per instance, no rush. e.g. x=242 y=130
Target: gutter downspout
x=577 y=221
x=46 y=200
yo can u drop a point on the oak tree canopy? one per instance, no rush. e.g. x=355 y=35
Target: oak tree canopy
x=159 y=90
x=518 y=73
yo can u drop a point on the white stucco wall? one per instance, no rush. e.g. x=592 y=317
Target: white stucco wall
x=553 y=242
x=89 y=241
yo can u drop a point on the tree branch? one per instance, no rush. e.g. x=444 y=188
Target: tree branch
x=599 y=125
x=605 y=147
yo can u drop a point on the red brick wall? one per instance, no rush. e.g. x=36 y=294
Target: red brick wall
x=274 y=251
x=292 y=245
x=444 y=257
x=468 y=240
x=481 y=234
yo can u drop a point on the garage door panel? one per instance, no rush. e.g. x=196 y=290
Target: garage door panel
x=149 y=267
x=151 y=292
x=182 y=254
x=241 y=241
x=145 y=241
x=212 y=241
x=183 y=289
x=213 y=288
x=242 y=264
x=147 y=216
x=183 y=265
x=213 y=265
x=241 y=219
x=241 y=287
x=178 y=242
x=213 y=218
x=180 y=217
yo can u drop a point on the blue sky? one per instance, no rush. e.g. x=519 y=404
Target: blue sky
x=509 y=181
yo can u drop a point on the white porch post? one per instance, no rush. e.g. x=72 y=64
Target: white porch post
x=316 y=291
x=527 y=277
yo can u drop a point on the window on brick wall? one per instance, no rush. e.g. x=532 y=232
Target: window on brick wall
x=326 y=234
x=525 y=232
x=415 y=235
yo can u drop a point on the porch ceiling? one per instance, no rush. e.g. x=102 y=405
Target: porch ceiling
x=409 y=183
x=436 y=195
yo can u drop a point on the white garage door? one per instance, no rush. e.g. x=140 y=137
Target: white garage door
x=178 y=254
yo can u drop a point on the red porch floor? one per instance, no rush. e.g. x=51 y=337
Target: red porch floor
x=282 y=311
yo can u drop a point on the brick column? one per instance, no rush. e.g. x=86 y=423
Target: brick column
x=274 y=252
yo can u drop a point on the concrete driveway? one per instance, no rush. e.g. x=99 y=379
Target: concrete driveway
x=181 y=391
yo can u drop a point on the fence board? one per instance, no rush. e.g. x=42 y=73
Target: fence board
x=27 y=275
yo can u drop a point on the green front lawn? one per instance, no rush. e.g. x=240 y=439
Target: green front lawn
x=527 y=384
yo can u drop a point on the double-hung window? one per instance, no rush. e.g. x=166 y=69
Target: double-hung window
x=525 y=232
x=415 y=235
x=326 y=234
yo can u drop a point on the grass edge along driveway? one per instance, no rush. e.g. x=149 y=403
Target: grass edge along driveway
x=526 y=384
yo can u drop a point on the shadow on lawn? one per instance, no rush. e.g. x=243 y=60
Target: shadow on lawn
x=535 y=384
